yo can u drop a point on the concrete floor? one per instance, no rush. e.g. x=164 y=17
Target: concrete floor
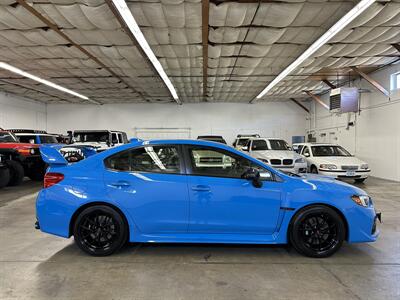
x=37 y=265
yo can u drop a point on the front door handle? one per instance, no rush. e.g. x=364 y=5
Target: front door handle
x=121 y=184
x=201 y=188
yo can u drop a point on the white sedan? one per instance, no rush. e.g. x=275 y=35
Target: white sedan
x=276 y=153
x=333 y=160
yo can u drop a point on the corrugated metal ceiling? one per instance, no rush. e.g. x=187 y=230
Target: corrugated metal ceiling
x=248 y=44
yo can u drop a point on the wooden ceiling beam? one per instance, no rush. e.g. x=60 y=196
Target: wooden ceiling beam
x=372 y=81
x=328 y=83
x=317 y=99
x=300 y=105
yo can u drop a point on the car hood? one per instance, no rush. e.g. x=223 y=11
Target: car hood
x=322 y=182
x=276 y=154
x=339 y=160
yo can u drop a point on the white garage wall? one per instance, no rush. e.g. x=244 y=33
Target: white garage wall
x=375 y=137
x=17 y=112
x=226 y=119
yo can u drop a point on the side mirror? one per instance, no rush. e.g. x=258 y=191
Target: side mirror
x=245 y=148
x=306 y=154
x=253 y=175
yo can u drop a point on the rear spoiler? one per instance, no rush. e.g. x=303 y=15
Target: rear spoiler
x=52 y=157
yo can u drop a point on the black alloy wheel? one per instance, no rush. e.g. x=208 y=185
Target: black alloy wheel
x=317 y=231
x=100 y=230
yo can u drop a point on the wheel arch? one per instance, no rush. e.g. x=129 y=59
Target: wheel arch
x=86 y=205
x=338 y=211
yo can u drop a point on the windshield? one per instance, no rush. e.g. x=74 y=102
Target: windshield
x=278 y=145
x=329 y=151
x=26 y=139
x=48 y=139
x=5 y=137
x=81 y=137
x=259 y=145
x=242 y=142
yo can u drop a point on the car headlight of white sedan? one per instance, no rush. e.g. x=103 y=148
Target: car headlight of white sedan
x=328 y=167
x=364 y=167
x=300 y=160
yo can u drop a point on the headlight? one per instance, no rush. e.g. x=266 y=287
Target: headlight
x=32 y=151
x=300 y=161
x=364 y=166
x=361 y=200
x=264 y=160
x=327 y=167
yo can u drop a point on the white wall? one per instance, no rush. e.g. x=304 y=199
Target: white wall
x=18 y=112
x=227 y=119
x=375 y=137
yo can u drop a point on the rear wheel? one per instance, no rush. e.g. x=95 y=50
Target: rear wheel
x=4 y=177
x=16 y=172
x=317 y=231
x=100 y=230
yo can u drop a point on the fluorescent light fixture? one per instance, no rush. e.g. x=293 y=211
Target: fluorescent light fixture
x=343 y=22
x=10 y=68
x=126 y=14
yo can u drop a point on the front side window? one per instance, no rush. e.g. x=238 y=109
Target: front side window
x=220 y=163
x=259 y=145
x=306 y=151
x=151 y=159
x=48 y=139
x=114 y=138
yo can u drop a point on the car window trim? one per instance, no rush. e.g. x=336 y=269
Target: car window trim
x=182 y=165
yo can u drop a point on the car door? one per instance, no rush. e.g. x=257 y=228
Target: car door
x=149 y=182
x=221 y=201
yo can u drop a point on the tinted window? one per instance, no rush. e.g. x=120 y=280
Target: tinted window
x=114 y=138
x=259 y=145
x=30 y=139
x=121 y=140
x=157 y=159
x=278 y=145
x=219 y=163
x=242 y=142
x=48 y=139
x=91 y=136
x=329 y=151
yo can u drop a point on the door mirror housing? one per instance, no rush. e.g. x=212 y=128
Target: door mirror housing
x=245 y=148
x=253 y=175
x=306 y=154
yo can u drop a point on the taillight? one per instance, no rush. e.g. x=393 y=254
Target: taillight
x=51 y=179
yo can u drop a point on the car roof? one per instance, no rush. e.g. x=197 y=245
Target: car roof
x=33 y=133
x=315 y=144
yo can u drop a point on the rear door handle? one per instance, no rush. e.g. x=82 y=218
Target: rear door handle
x=201 y=188
x=120 y=184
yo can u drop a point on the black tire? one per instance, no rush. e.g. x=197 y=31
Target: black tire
x=317 y=231
x=359 y=180
x=16 y=172
x=4 y=177
x=314 y=170
x=100 y=230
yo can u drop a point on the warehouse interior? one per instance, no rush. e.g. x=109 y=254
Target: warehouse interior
x=179 y=69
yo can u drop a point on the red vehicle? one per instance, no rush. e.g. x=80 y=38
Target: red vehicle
x=22 y=159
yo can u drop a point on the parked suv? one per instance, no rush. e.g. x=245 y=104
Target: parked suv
x=277 y=153
x=333 y=160
x=22 y=159
x=99 y=139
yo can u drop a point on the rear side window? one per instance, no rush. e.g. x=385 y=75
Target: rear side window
x=156 y=159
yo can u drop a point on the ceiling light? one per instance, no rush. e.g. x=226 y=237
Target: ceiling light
x=10 y=68
x=343 y=22
x=127 y=16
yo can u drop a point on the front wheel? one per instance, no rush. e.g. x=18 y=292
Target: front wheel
x=317 y=231
x=4 y=177
x=100 y=230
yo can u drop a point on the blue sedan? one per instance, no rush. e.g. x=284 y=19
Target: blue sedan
x=197 y=192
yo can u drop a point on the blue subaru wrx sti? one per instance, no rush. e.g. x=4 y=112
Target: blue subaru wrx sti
x=200 y=192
